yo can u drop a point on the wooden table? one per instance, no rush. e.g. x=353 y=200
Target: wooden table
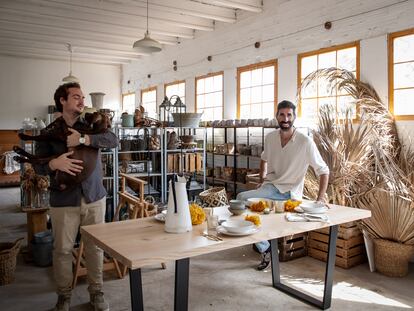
x=141 y=242
x=36 y=221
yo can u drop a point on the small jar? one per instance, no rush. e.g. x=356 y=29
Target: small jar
x=279 y=206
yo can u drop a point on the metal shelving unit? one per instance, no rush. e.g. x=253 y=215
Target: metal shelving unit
x=158 y=189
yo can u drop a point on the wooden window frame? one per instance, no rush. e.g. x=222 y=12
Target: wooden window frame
x=150 y=89
x=127 y=94
x=222 y=89
x=391 y=38
x=336 y=48
x=173 y=83
x=240 y=70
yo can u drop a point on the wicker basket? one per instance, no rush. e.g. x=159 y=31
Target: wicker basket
x=391 y=258
x=8 y=254
x=214 y=197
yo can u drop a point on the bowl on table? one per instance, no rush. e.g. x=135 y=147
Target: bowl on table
x=238 y=226
x=236 y=211
x=313 y=207
x=237 y=204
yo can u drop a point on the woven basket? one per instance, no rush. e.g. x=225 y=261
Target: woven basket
x=8 y=254
x=214 y=197
x=391 y=258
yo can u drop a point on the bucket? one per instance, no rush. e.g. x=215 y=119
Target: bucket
x=42 y=248
x=8 y=255
x=127 y=120
x=97 y=99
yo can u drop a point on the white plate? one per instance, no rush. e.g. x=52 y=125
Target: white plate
x=222 y=230
x=320 y=210
x=161 y=216
x=255 y=200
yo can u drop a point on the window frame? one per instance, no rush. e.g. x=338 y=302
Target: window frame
x=222 y=89
x=150 y=89
x=128 y=94
x=251 y=67
x=173 y=83
x=391 y=38
x=336 y=48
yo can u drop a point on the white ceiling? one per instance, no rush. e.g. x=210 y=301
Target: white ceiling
x=103 y=31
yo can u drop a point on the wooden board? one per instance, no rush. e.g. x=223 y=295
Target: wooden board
x=345 y=263
x=349 y=245
x=293 y=246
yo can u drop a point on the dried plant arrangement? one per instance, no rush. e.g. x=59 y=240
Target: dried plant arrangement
x=369 y=167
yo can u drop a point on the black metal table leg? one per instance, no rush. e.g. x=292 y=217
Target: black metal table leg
x=330 y=265
x=135 y=285
x=182 y=271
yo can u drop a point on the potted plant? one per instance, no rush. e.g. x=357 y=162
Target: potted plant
x=369 y=168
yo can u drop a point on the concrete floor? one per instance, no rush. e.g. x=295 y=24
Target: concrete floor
x=222 y=281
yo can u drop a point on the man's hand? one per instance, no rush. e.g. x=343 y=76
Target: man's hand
x=65 y=164
x=73 y=138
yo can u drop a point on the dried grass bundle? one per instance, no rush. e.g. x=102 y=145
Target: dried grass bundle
x=368 y=167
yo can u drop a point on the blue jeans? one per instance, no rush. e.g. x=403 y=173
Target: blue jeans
x=266 y=191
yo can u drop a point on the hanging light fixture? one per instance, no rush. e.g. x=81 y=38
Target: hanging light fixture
x=70 y=77
x=147 y=45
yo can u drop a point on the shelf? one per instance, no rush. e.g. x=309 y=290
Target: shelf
x=140 y=151
x=145 y=174
x=108 y=178
x=225 y=181
x=232 y=154
x=242 y=127
x=186 y=150
x=107 y=152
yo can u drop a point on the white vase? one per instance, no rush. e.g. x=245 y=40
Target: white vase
x=178 y=219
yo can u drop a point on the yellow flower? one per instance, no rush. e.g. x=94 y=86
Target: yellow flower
x=254 y=219
x=197 y=214
x=290 y=205
x=259 y=206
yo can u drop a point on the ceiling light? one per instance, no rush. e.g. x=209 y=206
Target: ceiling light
x=147 y=45
x=70 y=77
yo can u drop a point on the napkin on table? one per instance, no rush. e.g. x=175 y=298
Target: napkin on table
x=306 y=217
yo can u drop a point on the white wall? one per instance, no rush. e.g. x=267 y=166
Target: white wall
x=27 y=86
x=285 y=29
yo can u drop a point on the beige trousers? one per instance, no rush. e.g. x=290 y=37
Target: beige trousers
x=65 y=225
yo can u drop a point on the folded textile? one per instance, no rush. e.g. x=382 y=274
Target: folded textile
x=306 y=217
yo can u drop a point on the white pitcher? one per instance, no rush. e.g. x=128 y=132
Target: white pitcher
x=178 y=219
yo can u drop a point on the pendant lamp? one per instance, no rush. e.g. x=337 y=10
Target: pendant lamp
x=70 y=77
x=147 y=45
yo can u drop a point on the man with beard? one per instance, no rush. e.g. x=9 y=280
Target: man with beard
x=83 y=204
x=285 y=159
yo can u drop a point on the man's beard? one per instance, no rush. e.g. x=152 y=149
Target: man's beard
x=284 y=128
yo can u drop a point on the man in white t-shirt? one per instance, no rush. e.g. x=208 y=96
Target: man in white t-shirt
x=285 y=159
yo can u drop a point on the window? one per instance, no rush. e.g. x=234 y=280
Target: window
x=256 y=90
x=149 y=101
x=401 y=74
x=209 y=96
x=175 y=88
x=128 y=103
x=318 y=94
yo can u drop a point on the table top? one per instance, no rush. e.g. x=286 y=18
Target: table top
x=141 y=242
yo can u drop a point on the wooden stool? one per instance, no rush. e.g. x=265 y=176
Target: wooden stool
x=36 y=221
x=137 y=206
x=80 y=265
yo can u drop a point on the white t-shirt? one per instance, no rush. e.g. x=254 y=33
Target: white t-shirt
x=287 y=166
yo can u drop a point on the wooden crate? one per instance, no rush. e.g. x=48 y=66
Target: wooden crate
x=349 y=245
x=293 y=246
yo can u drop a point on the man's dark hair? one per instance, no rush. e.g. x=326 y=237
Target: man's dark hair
x=286 y=104
x=63 y=91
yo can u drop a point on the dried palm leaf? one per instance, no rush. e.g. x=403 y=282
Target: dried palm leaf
x=368 y=167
